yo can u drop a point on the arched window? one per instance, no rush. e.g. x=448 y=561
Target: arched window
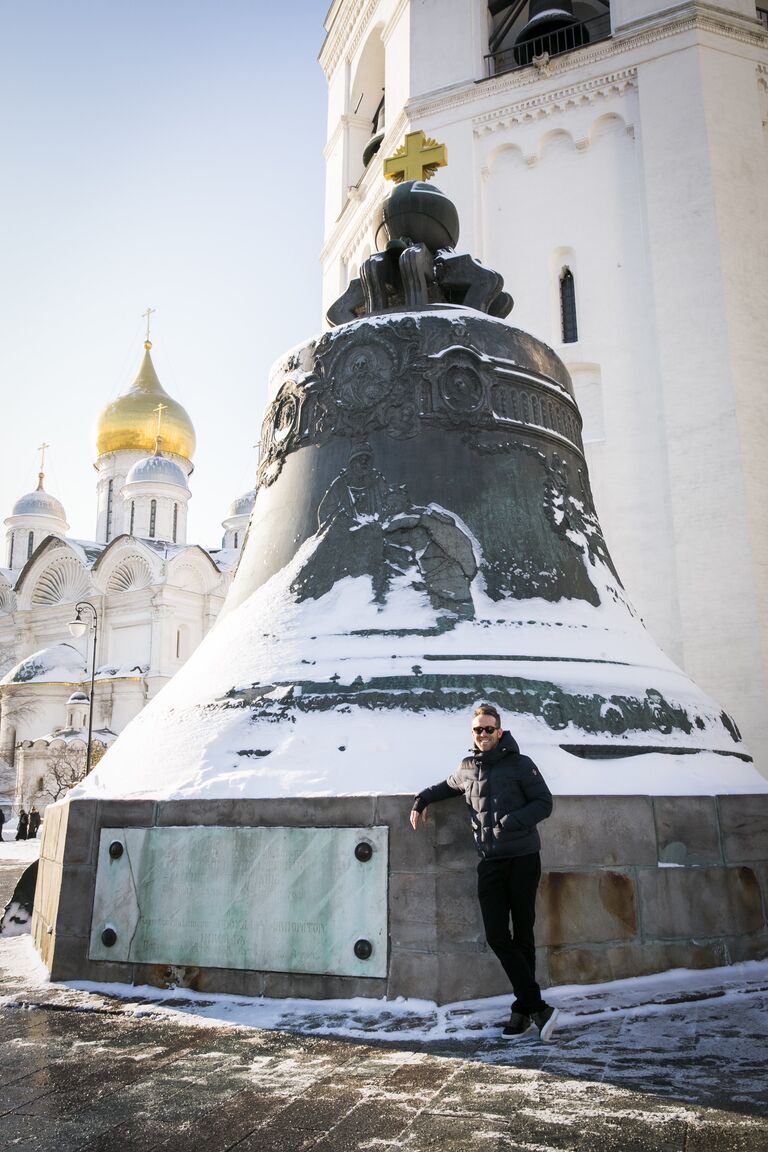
x=133 y=513
x=110 y=492
x=175 y=521
x=30 y=544
x=152 y=518
x=10 y=551
x=178 y=643
x=236 y=536
x=570 y=330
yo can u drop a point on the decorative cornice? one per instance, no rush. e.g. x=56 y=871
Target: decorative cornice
x=557 y=100
x=339 y=42
x=605 y=50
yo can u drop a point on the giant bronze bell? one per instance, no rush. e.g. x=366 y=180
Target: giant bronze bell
x=424 y=535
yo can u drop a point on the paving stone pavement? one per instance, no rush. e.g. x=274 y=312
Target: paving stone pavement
x=84 y=1071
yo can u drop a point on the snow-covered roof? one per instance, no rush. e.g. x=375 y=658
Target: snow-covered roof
x=157 y=470
x=55 y=664
x=225 y=558
x=39 y=503
x=68 y=736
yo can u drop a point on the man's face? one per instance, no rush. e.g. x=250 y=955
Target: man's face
x=485 y=740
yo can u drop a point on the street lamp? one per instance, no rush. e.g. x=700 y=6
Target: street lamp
x=77 y=627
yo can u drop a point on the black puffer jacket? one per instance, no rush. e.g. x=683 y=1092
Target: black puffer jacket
x=506 y=796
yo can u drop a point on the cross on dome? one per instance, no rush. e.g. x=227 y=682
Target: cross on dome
x=148 y=314
x=417 y=159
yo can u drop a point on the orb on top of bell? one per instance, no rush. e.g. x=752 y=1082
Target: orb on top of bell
x=417 y=212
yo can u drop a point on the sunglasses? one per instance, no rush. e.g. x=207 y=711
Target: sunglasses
x=486 y=729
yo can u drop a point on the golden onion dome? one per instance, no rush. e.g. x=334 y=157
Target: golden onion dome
x=131 y=421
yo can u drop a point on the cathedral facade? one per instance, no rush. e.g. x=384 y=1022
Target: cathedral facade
x=155 y=595
x=610 y=160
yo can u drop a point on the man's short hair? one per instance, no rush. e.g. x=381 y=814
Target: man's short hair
x=487 y=710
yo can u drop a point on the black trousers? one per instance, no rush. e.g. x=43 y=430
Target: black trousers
x=506 y=890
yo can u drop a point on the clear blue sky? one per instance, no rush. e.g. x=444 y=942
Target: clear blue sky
x=165 y=154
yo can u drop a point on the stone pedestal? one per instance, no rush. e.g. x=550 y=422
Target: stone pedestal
x=631 y=885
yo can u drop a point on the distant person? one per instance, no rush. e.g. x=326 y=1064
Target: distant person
x=21 y=827
x=507 y=797
x=34 y=823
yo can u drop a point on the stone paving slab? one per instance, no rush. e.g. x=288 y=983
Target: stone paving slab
x=76 y=1079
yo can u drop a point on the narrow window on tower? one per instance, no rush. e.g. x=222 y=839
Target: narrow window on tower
x=570 y=331
x=178 y=643
x=152 y=518
x=236 y=535
x=110 y=487
x=10 y=552
x=175 y=521
x=133 y=513
x=30 y=544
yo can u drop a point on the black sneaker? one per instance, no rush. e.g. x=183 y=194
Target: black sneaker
x=518 y=1023
x=545 y=1021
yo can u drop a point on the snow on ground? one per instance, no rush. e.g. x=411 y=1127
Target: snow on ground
x=402 y=1020
x=13 y=851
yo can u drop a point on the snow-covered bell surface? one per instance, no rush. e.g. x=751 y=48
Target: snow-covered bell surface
x=201 y=738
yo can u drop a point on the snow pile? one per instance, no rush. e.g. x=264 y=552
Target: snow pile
x=49 y=665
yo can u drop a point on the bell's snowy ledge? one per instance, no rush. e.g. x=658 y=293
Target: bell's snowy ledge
x=208 y=740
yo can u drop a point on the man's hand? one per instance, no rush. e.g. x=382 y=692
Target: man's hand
x=415 y=817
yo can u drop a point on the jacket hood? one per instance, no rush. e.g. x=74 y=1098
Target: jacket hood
x=507 y=746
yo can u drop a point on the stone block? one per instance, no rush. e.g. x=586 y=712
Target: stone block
x=687 y=830
x=451 y=830
x=699 y=902
x=586 y=907
x=293 y=811
x=47 y=891
x=230 y=981
x=620 y=961
x=590 y=831
x=458 y=912
x=315 y=987
x=75 y=901
x=125 y=813
x=202 y=813
x=50 y=831
x=754 y=947
x=409 y=850
x=413 y=935
x=69 y=958
x=469 y=976
x=104 y=972
x=412 y=974
x=78 y=832
x=744 y=827
x=411 y=897
x=322 y=811
x=761 y=871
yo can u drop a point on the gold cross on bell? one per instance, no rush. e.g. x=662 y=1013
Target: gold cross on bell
x=417 y=159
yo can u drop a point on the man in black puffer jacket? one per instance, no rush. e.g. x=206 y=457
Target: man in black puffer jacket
x=507 y=798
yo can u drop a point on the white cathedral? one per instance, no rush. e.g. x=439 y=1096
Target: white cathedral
x=155 y=595
x=610 y=160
